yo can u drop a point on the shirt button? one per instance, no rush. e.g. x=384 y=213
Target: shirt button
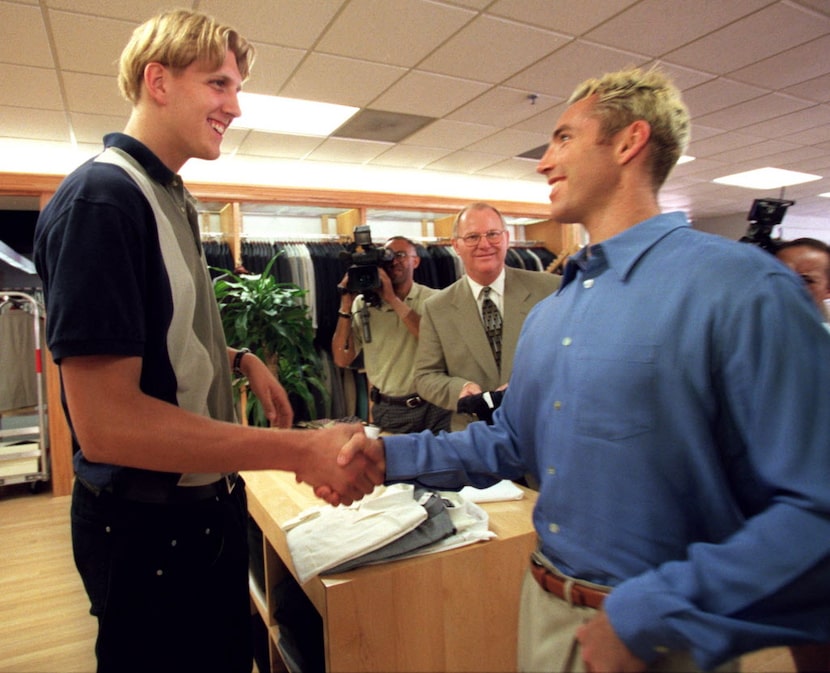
x=567 y=341
x=173 y=543
x=108 y=529
x=551 y=471
x=553 y=528
x=207 y=531
x=159 y=572
x=588 y=284
x=557 y=405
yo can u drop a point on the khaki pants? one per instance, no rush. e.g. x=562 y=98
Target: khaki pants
x=547 y=642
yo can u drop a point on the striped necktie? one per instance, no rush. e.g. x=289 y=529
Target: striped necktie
x=492 y=324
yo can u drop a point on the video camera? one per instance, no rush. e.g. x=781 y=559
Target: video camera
x=763 y=216
x=365 y=258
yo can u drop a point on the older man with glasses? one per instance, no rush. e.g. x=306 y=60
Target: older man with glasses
x=469 y=330
x=387 y=334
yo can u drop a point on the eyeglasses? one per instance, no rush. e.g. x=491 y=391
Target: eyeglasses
x=494 y=237
x=400 y=254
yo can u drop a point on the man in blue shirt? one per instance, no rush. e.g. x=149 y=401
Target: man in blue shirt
x=672 y=400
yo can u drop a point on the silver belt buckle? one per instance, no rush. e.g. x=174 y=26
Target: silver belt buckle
x=230 y=481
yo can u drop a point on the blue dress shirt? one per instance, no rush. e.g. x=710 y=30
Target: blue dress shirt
x=673 y=399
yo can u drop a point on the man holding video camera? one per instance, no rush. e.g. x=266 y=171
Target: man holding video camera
x=456 y=367
x=383 y=322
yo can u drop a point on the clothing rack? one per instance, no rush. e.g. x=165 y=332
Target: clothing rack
x=23 y=450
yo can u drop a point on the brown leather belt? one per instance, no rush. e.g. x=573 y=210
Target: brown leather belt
x=570 y=592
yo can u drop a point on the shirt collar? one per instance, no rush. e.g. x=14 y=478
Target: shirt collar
x=144 y=156
x=621 y=252
x=497 y=285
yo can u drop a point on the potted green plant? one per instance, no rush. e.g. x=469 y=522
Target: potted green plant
x=272 y=319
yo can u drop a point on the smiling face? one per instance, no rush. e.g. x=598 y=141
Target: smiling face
x=200 y=104
x=578 y=165
x=484 y=260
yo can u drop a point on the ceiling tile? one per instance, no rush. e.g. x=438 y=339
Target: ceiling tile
x=91 y=128
x=375 y=30
x=381 y=126
x=450 y=134
x=290 y=23
x=717 y=94
x=680 y=24
x=408 y=156
x=278 y=145
x=464 y=162
x=95 y=94
x=74 y=51
x=427 y=94
x=794 y=66
x=347 y=151
x=336 y=79
x=754 y=111
x=502 y=106
x=778 y=27
x=572 y=17
x=134 y=11
x=509 y=142
x=272 y=67
x=24 y=86
x=514 y=168
x=817 y=89
x=510 y=47
x=21 y=122
x=23 y=37
x=560 y=73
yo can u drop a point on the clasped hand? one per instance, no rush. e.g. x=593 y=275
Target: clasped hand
x=344 y=464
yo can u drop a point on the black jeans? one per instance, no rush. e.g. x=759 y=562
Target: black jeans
x=168 y=583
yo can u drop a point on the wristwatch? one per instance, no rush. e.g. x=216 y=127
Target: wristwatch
x=237 y=360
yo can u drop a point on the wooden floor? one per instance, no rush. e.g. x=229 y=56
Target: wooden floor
x=45 y=625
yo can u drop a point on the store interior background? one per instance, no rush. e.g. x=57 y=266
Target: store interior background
x=486 y=78
x=451 y=93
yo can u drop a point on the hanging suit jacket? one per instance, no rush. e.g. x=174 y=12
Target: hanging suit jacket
x=453 y=347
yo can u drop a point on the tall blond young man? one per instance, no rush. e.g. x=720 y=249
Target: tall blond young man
x=158 y=512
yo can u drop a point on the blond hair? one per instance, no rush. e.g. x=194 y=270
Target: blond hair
x=176 y=39
x=629 y=95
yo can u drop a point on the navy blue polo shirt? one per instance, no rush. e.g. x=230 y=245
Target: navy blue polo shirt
x=125 y=274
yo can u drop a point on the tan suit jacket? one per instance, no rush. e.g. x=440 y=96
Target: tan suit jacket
x=453 y=347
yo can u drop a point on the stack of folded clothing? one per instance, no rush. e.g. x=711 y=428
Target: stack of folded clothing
x=393 y=522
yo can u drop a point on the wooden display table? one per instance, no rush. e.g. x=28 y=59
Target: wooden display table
x=456 y=610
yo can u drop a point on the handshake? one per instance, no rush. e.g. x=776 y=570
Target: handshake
x=342 y=463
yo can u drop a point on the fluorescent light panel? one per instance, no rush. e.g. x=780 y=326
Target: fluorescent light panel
x=275 y=114
x=766 y=178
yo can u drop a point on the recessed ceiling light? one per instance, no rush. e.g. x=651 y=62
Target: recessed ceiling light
x=274 y=114
x=684 y=159
x=766 y=178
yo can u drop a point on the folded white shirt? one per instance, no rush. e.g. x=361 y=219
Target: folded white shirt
x=502 y=490
x=322 y=537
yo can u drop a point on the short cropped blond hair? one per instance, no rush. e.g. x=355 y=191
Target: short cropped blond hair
x=176 y=39
x=632 y=94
